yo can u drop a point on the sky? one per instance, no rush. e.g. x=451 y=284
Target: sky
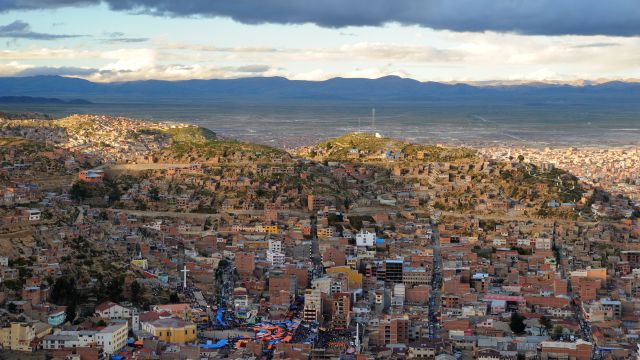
x=428 y=40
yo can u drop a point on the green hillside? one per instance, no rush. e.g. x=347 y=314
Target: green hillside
x=372 y=147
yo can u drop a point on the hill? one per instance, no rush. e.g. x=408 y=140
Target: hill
x=40 y=100
x=22 y=144
x=370 y=147
x=191 y=134
x=277 y=89
x=197 y=144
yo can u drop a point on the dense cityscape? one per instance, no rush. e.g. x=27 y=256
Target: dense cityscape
x=319 y=180
x=165 y=241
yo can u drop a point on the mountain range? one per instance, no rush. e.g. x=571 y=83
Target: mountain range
x=40 y=100
x=278 y=89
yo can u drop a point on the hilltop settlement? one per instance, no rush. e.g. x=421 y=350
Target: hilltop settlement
x=129 y=239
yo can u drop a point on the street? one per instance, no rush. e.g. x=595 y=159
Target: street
x=436 y=284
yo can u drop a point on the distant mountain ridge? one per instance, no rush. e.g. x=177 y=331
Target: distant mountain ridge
x=39 y=100
x=274 y=89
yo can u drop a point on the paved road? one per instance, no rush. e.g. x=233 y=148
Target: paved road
x=140 y=167
x=436 y=284
x=178 y=214
x=171 y=214
x=585 y=328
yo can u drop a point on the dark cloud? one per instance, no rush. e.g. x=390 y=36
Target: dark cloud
x=542 y=17
x=253 y=68
x=120 y=37
x=60 y=71
x=22 y=30
x=597 y=45
x=127 y=40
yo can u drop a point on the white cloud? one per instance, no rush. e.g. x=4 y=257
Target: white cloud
x=48 y=54
x=374 y=73
x=179 y=72
x=442 y=56
x=129 y=59
x=13 y=68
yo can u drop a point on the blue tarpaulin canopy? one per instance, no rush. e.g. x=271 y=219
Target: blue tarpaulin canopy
x=219 y=318
x=220 y=344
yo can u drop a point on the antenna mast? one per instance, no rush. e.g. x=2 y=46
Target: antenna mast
x=373 y=118
x=357 y=339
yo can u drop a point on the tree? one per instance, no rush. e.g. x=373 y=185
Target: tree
x=557 y=331
x=517 y=324
x=173 y=298
x=13 y=284
x=136 y=292
x=70 y=312
x=12 y=307
x=546 y=324
x=79 y=191
x=114 y=291
x=115 y=193
x=64 y=291
x=347 y=203
x=154 y=193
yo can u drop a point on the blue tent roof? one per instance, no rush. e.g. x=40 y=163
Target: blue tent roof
x=220 y=344
x=219 y=319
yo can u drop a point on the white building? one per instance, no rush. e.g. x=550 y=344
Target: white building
x=275 y=246
x=543 y=244
x=34 y=214
x=276 y=259
x=365 y=238
x=110 y=310
x=399 y=293
x=274 y=254
x=113 y=337
x=312 y=305
x=58 y=341
x=69 y=339
x=135 y=320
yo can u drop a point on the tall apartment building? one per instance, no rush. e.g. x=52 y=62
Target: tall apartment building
x=393 y=270
x=315 y=202
x=393 y=331
x=312 y=305
x=341 y=310
x=113 y=337
x=275 y=256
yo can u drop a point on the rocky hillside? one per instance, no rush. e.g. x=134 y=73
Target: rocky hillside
x=369 y=147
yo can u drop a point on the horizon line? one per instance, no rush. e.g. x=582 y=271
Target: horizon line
x=578 y=82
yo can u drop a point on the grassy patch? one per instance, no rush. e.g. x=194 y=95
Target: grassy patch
x=371 y=146
x=191 y=134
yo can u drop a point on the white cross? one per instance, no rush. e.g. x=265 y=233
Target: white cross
x=184 y=278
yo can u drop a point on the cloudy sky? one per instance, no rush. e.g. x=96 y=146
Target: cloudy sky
x=437 y=40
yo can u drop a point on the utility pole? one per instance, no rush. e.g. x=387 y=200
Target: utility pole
x=357 y=339
x=373 y=118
